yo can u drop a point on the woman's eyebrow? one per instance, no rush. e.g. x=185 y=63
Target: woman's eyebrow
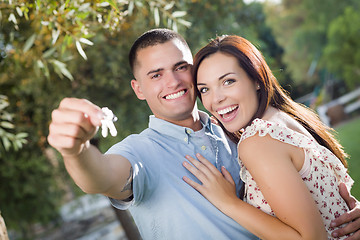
x=221 y=77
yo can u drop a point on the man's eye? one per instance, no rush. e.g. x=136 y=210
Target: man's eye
x=155 y=76
x=182 y=67
x=203 y=90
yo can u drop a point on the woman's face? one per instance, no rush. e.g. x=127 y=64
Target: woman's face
x=226 y=90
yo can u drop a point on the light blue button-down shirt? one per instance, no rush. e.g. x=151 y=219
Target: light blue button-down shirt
x=164 y=206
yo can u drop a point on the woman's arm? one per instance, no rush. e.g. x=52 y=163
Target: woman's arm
x=272 y=168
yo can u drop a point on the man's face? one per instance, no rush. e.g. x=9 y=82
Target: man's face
x=163 y=79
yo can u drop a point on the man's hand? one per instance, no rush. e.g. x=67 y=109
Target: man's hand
x=73 y=124
x=352 y=217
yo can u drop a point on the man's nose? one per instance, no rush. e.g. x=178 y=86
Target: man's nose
x=172 y=79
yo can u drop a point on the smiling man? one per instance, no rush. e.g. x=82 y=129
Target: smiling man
x=143 y=172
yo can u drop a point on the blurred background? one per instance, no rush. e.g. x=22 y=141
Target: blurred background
x=55 y=49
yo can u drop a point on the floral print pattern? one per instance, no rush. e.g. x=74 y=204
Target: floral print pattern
x=322 y=171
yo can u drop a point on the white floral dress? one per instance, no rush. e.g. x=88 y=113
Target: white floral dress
x=322 y=172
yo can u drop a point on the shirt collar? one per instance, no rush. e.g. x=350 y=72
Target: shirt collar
x=176 y=131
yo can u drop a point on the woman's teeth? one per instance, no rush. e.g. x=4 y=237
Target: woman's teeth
x=227 y=110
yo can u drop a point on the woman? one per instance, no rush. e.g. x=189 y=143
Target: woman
x=288 y=157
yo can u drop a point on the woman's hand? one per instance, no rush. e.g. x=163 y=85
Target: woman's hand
x=218 y=188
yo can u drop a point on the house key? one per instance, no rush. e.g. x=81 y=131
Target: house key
x=107 y=123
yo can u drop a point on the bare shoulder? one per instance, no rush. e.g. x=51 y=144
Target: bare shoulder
x=286 y=120
x=260 y=148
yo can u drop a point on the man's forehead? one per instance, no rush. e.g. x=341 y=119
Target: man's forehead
x=163 y=55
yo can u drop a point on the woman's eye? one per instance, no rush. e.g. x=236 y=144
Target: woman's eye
x=229 y=81
x=203 y=90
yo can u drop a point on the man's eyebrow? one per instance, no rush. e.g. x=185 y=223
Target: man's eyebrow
x=160 y=69
x=180 y=63
x=155 y=71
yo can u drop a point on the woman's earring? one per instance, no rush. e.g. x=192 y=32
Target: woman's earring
x=258 y=87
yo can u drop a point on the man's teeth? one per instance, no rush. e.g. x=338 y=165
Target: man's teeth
x=227 y=110
x=175 y=95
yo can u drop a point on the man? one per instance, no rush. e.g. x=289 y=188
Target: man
x=144 y=172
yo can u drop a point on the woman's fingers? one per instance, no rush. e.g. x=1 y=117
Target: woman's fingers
x=193 y=184
x=209 y=166
x=196 y=168
x=227 y=175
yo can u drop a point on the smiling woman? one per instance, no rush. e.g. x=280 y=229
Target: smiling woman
x=288 y=158
x=218 y=84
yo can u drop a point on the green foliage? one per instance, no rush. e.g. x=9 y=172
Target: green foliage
x=217 y=17
x=301 y=28
x=27 y=187
x=349 y=137
x=9 y=139
x=340 y=54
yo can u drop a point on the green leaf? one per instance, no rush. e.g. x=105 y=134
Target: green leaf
x=60 y=66
x=184 y=22
x=131 y=7
x=54 y=34
x=86 y=41
x=174 y=27
x=113 y=4
x=29 y=42
x=169 y=6
x=21 y=135
x=178 y=14
x=66 y=73
x=19 y=12
x=48 y=53
x=80 y=50
x=3 y=104
x=7 y=125
x=103 y=4
x=12 y=18
x=46 y=71
x=84 y=7
x=156 y=16
x=6 y=143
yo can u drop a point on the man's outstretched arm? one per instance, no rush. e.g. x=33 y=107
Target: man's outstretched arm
x=352 y=217
x=73 y=124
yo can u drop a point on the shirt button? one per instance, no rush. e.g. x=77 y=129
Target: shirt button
x=203 y=147
x=186 y=139
x=188 y=131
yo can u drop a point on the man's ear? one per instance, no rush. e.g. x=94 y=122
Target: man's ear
x=137 y=89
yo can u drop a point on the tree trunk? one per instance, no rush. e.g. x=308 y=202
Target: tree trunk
x=127 y=222
x=3 y=231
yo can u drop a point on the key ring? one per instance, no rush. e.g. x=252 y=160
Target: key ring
x=107 y=123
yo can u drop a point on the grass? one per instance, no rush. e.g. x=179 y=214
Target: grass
x=349 y=136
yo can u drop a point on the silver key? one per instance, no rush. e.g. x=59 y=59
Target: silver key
x=107 y=123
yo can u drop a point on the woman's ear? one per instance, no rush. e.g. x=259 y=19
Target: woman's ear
x=137 y=89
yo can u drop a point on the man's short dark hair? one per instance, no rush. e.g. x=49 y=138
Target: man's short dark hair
x=152 y=38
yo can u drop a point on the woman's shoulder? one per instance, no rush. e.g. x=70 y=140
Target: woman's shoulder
x=283 y=119
x=276 y=128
